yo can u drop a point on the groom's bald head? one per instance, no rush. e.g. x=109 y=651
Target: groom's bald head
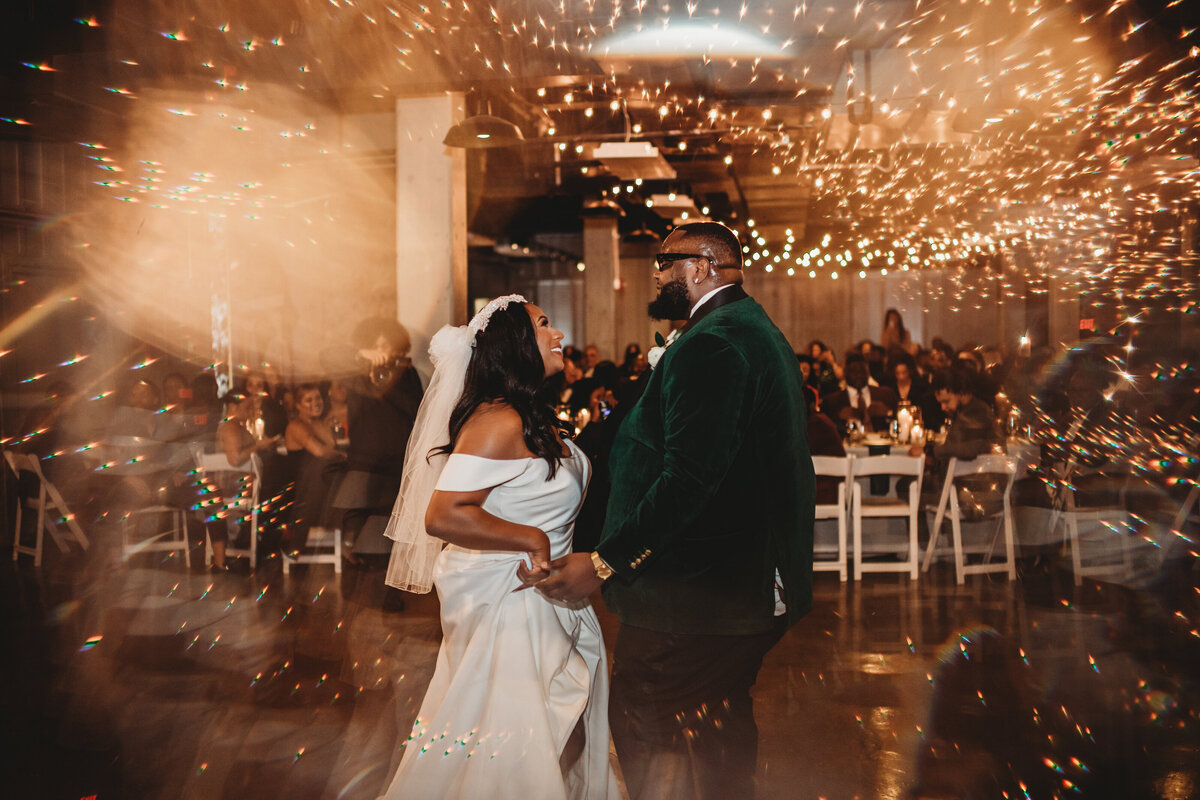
x=716 y=242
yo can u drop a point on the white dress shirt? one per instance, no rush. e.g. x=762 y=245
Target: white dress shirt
x=704 y=299
x=852 y=393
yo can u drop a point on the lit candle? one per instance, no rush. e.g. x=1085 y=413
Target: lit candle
x=904 y=417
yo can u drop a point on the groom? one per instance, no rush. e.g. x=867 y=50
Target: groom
x=706 y=553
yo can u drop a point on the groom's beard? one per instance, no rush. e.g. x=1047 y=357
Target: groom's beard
x=672 y=302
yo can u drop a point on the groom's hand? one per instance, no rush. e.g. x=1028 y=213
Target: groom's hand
x=572 y=578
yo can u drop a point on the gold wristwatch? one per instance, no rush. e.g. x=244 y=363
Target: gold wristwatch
x=603 y=571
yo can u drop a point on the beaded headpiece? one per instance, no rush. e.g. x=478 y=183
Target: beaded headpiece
x=480 y=321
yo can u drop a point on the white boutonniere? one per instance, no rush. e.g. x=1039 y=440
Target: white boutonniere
x=654 y=354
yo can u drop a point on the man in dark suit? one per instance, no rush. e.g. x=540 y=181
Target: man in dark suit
x=706 y=551
x=859 y=400
x=973 y=429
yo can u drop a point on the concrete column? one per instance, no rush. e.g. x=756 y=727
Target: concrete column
x=637 y=290
x=431 y=221
x=601 y=279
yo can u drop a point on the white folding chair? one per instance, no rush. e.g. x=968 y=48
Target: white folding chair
x=330 y=542
x=1109 y=536
x=244 y=506
x=883 y=507
x=173 y=538
x=834 y=467
x=985 y=464
x=1108 y=529
x=48 y=497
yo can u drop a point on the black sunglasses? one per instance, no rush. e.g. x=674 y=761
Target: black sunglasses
x=665 y=260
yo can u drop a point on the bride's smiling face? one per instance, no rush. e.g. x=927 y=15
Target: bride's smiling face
x=549 y=340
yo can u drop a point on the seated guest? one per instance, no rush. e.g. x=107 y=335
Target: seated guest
x=581 y=394
x=829 y=374
x=870 y=405
x=971 y=358
x=311 y=449
x=608 y=374
x=972 y=432
x=310 y=430
x=591 y=357
x=239 y=446
x=564 y=382
x=265 y=407
x=205 y=398
x=913 y=389
x=595 y=394
x=941 y=355
x=639 y=368
x=135 y=416
x=175 y=391
x=274 y=421
x=171 y=421
x=874 y=356
x=632 y=351
x=902 y=378
x=808 y=372
x=924 y=361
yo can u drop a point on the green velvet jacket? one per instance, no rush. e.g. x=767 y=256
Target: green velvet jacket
x=712 y=482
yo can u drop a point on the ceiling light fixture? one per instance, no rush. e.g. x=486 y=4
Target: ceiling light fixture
x=483 y=132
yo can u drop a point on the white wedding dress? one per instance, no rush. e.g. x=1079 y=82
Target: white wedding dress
x=516 y=671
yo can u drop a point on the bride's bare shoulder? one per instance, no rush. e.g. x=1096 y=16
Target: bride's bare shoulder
x=494 y=431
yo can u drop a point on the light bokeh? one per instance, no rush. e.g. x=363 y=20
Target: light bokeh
x=252 y=231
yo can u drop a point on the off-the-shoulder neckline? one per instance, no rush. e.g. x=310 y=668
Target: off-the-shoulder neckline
x=571 y=446
x=497 y=460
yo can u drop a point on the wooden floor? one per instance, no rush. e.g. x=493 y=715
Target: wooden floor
x=142 y=679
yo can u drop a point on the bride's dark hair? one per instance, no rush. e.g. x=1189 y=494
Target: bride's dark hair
x=507 y=365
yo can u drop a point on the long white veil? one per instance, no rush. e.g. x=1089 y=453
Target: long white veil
x=415 y=551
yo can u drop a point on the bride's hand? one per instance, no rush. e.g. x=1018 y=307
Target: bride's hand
x=539 y=557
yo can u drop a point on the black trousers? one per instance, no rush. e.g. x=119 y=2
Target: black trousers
x=681 y=714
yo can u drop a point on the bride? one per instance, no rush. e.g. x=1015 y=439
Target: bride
x=517 y=707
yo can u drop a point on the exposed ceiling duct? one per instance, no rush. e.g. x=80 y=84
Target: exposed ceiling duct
x=632 y=160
